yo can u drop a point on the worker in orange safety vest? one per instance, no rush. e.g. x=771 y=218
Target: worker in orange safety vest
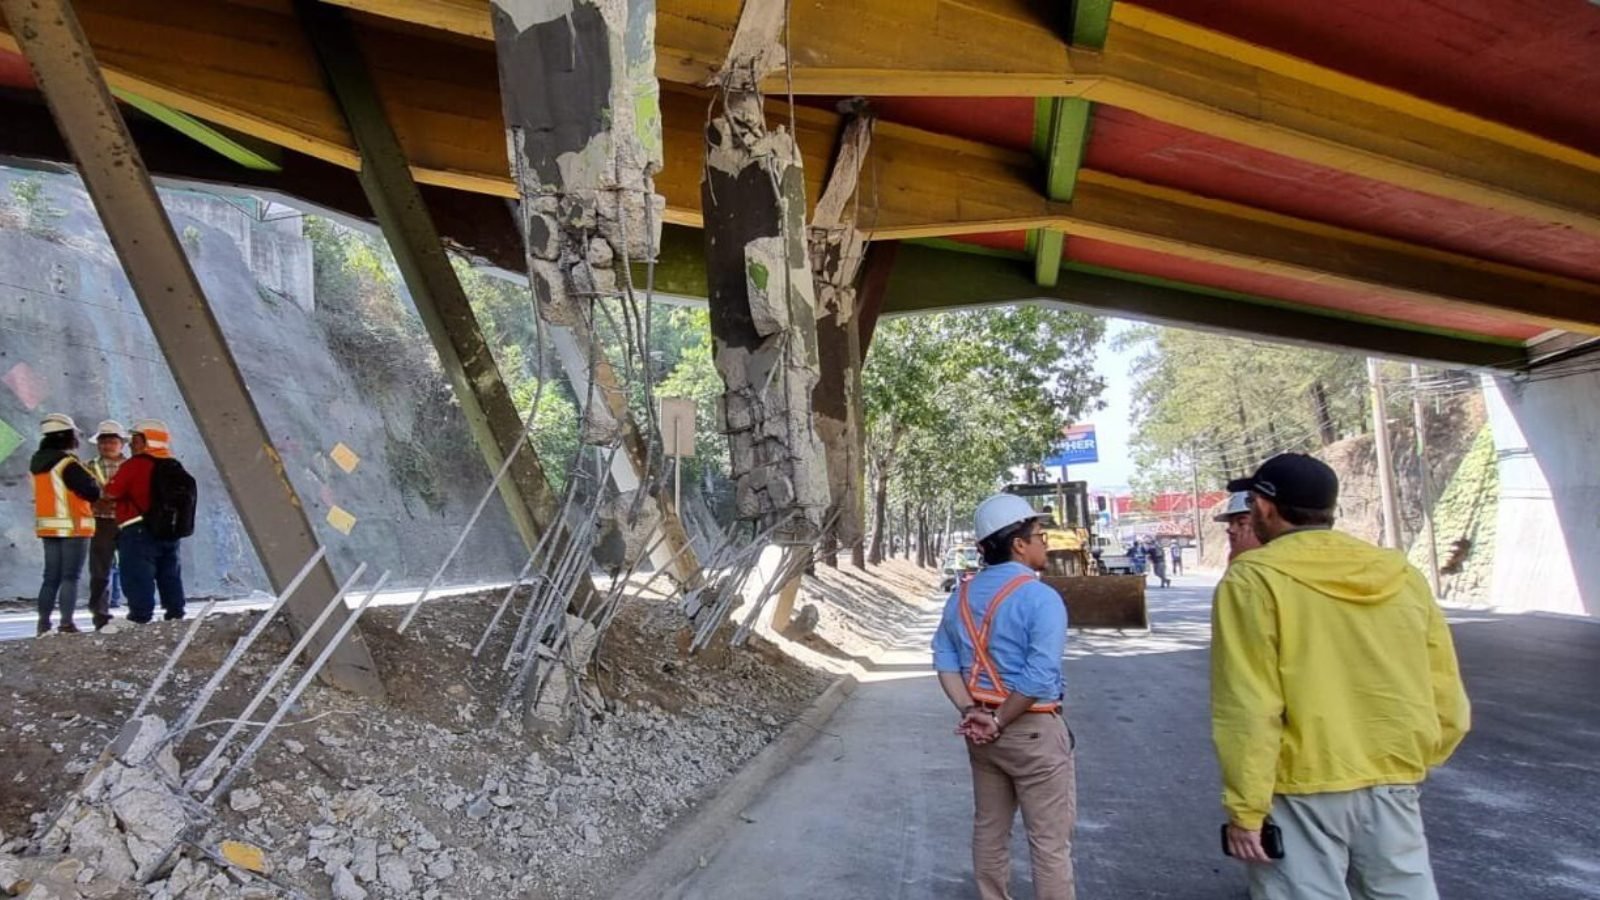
x=63 y=515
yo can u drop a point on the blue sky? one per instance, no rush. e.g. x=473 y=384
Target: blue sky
x=1113 y=431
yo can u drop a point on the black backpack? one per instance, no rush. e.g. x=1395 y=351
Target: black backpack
x=172 y=501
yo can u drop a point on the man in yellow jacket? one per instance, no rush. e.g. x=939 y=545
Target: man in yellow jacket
x=1334 y=688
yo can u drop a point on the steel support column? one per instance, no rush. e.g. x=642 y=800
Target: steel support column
x=183 y=323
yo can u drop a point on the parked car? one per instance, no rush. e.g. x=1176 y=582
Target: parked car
x=958 y=561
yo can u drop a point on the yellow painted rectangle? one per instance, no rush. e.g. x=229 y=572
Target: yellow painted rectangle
x=345 y=458
x=340 y=518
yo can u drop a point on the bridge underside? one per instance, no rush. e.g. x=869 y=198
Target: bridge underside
x=1297 y=173
x=1287 y=171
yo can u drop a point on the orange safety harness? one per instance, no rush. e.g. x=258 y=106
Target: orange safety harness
x=981 y=663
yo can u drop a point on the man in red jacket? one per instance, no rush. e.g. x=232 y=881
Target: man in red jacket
x=149 y=563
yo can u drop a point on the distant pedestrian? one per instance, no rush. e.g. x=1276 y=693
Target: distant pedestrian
x=1137 y=556
x=63 y=516
x=998 y=654
x=105 y=591
x=1158 y=562
x=1177 y=558
x=1236 y=515
x=155 y=509
x=1334 y=689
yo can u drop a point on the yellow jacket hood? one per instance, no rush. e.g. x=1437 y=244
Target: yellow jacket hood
x=1333 y=564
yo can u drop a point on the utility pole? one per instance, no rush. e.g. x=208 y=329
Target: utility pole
x=1194 y=486
x=1380 y=434
x=1425 y=480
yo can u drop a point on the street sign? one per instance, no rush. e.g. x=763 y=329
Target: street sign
x=1077 y=447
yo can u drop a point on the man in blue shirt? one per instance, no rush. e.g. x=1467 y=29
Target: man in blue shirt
x=998 y=654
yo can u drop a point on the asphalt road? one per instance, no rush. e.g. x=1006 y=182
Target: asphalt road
x=880 y=806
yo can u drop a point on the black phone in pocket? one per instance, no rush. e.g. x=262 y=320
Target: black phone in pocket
x=1271 y=840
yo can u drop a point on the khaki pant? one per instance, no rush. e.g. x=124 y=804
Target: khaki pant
x=1353 y=845
x=1030 y=766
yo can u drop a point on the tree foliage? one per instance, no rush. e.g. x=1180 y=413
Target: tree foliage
x=1217 y=406
x=954 y=401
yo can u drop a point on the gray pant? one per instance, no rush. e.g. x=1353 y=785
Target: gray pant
x=1353 y=845
x=63 y=566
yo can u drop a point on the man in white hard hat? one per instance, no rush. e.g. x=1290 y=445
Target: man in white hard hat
x=104 y=591
x=63 y=516
x=1236 y=515
x=998 y=654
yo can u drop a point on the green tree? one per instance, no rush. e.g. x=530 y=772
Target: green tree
x=1212 y=407
x=955 y=400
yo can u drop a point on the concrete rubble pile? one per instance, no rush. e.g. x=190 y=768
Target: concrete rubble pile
x=426 y=795
x=127 y=825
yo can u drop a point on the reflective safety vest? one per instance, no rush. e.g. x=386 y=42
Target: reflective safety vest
x=57 y=511
x=996 y=694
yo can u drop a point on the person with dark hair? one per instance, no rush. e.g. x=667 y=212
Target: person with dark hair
x=1177 y=558
x=998 y=653
x=1334 y=689
x=63 y=515
x=1158 y=561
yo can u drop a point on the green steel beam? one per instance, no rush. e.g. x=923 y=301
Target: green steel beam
x=1069 y=138
x=1047 y=257
x=209 y=136
x=1091 y=19
x=1064 y=137
x=926 y=279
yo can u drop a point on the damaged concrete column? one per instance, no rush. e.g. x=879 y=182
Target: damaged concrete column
x=837 y=252
x=763 y=303
x=583 y=126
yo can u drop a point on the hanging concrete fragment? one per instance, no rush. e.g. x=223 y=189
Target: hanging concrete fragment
x=763 y=304
x=583 y=127
x=838 y=250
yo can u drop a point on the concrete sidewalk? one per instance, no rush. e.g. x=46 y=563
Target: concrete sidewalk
x=880 y=806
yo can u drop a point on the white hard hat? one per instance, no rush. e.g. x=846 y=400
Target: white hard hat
x=1000 y=512
x=55 y=423
x=109 y=426
x=1238 y=502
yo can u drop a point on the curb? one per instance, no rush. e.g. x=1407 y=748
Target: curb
x=696 y=838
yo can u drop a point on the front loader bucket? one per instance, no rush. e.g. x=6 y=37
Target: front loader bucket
x=1103 y=601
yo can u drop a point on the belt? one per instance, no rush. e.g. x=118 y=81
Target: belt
x=995 y=707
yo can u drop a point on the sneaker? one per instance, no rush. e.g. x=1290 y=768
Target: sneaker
x=44 y=626
x=68 y=628
x=100 y=620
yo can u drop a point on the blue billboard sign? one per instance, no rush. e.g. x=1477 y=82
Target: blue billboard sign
x=1077 y=447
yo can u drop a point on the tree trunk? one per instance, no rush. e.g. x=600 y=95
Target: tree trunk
x=1323 y=416
x=905 y=526
x=880 y=514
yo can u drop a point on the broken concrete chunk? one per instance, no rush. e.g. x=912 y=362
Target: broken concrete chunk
x=395 y=874
x=244 y=800
x=344 y=886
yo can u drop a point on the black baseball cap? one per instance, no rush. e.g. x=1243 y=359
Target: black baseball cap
x=1293 y=479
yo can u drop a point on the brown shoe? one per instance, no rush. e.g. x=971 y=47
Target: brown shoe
x=68 y=628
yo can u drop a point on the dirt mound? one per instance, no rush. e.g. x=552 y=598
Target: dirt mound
x=422 y=795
